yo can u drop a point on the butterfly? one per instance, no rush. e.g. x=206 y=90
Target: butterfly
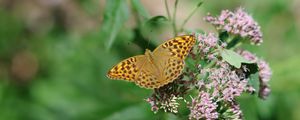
x=158 y=68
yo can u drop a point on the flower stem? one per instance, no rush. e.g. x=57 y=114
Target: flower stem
x=190 y=15
x=167 y=9
x=237 y=45
x=233 y=42
x=211 y=63
x=174 y=18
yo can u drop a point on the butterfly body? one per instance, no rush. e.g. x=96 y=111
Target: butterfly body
x=149 y=55
x=157 y=68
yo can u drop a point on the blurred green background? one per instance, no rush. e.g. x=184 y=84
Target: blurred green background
x=54 y=55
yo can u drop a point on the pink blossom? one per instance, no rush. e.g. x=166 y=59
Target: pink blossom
x=207 y=40
x=264 y=77
x=264 y=91
x=247 y=55
x=239 y=23
x=229 y=84
x=203 y=107
x=264 y=71
x=206 y=43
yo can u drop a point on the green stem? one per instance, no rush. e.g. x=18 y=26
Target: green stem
x=167 y=9
x=235 y=40
x=174 y=18
x=236 y=46
x=211 y=63
x=190 y=15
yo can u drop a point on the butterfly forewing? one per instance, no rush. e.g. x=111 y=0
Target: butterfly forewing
x=171 y=55
x=127 y=69
x=177 y=47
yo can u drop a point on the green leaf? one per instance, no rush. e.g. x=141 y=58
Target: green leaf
x=156 y=21
x=137 y=5
x=155 y=26
x=115 y=15
x=197 y=30
x=233 y=58
x=254 y=81
x=134 y=112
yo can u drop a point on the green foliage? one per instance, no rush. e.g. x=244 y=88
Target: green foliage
x=154 y=26
x=233 y=58
x=139 y=8
x=253 y=81
x=10 y=32
x=115 y=15
x=70 y=82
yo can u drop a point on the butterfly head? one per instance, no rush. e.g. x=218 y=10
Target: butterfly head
x=148 y=52
x=149 y=55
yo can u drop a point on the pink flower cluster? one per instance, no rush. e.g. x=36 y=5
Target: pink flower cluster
x=222 y=85
x=206 y=43
x=235 y=111
x=247 y=55
x=226 y=83
x=167 y=98
x=264 y=72
x=153 y=104
x=209 y=40
x=238 y=23
x=203 y=107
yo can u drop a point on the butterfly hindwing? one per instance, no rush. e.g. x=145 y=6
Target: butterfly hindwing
x=151 y=76
x=173 y=69
x=147 y=79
